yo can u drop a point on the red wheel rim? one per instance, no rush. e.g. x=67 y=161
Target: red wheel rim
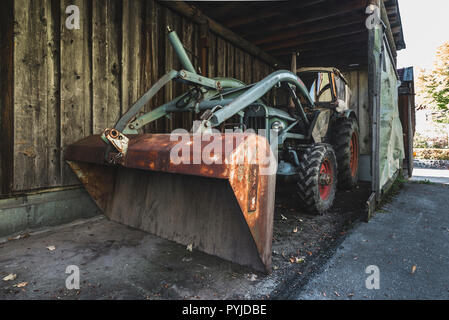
x=326 y=179
x=354 y=161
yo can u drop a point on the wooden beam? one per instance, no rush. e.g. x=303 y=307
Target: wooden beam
x=311 y=29
x=334 y=61
x=197 y=16
x=388 y=32
x=254 y=14
x=211 y=8
x=298 y=42
x=324 y=45
x=356 y=48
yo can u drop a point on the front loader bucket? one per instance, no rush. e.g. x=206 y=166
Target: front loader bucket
x=223 y=207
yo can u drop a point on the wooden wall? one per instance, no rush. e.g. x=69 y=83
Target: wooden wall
x=358 y=82
x=6 y=95
x=68 y=84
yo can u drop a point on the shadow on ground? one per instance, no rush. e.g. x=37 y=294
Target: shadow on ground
x=118 y=262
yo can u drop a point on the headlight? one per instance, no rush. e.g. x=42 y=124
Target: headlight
x=277 y=126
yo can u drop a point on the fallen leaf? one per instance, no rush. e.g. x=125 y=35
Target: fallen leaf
x=296 y=259
x=413 y=269
x=275 y=267
x=21 y=284
x=190 y=247
x=299 y=260
x=51 y=248
x=10 y=277
x=253 y=277
x=20 y=236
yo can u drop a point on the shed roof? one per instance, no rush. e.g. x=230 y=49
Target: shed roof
x=325 y=32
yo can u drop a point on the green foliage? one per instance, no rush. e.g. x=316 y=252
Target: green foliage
x=433 y=87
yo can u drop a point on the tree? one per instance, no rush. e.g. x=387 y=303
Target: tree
x=433 y=87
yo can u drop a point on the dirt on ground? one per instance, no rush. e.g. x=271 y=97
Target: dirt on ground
x=118 y=262
x=301 y=241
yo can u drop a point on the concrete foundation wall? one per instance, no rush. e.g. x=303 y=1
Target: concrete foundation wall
x=33 y=211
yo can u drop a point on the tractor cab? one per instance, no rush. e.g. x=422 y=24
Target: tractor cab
x=327 y=87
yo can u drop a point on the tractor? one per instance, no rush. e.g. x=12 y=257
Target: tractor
x=224 y=207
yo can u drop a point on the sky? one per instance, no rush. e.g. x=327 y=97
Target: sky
x=426 y=26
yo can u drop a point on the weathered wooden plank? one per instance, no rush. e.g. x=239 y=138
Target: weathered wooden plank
x=230 y=60
x=189 y=40
x=168 y=62
x=25 y=103
x=222 y=56
x=53 y=134
x=353 y=82
x=149 y=66
x=364 y=113
x=131 y=52
x=6 y=96
x=152 y=58
x=105 y=64
x=247 y=67
x=239 y=64
x=178 y=88
x=212 y=56
x=35 y=97
x=76 y=73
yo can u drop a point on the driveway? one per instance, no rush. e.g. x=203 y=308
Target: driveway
x=432 y=175
x=408 y=242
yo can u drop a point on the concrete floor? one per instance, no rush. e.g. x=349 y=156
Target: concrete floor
x=117 y=262
x=408 y=240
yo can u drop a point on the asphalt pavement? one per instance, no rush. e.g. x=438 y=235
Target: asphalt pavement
x=402 y=253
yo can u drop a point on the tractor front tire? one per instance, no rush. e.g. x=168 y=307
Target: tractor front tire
x=317 y=181
x=346 y=145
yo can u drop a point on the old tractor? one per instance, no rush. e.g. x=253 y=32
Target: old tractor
x=213 y=188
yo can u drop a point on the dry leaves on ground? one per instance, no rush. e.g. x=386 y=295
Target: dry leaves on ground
x=10 y=277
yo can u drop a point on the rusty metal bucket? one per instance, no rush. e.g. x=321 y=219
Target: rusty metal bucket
x=224 y=208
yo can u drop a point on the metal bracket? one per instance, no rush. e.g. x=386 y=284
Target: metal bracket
x=194 y=78
x=120 y=143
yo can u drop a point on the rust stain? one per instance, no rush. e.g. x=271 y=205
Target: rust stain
x=239 y=161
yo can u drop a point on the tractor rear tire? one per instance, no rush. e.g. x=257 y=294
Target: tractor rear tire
x=317 y=182
x=346 y=145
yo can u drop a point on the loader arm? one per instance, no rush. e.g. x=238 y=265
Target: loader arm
x=222 y=204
